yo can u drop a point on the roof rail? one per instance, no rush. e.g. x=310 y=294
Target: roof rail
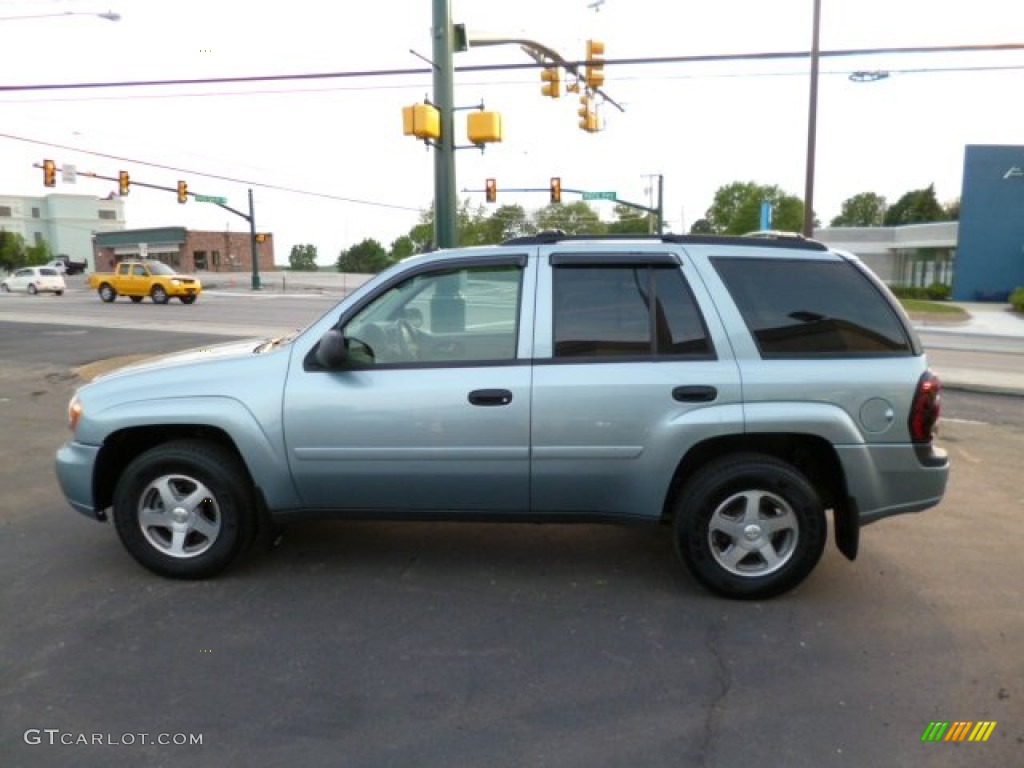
x=774 y=240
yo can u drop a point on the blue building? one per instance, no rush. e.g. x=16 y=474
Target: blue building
x=990 y=248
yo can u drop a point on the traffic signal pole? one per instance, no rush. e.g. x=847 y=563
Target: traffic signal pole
x=445 y=200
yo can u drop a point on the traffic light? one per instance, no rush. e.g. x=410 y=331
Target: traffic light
x=556 y=189
x=552 y=79
x=491 y=190
x=588 y=114
x=182 y=192
x=595 y=64
x=124 y=182
x=49 y=173
x=261 y=237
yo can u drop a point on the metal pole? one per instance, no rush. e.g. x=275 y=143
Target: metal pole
x=661 y=204
x=252 y=243
x=445 y=200
x=812 y=126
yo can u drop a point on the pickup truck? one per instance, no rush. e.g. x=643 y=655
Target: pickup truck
x=139 y=279
x=731 y=389
x=66 y=266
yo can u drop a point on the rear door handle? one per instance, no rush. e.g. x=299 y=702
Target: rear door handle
x=695 y=394
x=490 y=397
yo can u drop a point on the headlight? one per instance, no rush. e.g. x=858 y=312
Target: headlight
x=175 y=281
x=74 y=412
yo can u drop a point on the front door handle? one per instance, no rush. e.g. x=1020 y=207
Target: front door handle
x=490 y=397
x=695 y=394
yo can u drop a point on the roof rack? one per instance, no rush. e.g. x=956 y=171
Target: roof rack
x=762 y=239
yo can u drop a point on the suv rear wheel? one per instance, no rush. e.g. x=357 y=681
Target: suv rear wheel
x=184 y=510
x=749 y=526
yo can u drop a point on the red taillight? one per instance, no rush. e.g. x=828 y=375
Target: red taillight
x=924 y=412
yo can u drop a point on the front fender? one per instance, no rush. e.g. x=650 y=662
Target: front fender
x=260 y=449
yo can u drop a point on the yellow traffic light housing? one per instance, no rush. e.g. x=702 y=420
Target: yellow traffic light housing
x=552 y=82
x=422 y=121
x=182 y=192
x=49 y=173
x=588 y=114
x=123 y=182
x=483 y=127
x=556 y=189
x=261 y=237
x=491 y=190
x=595 y=64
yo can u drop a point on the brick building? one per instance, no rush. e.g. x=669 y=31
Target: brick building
x=184 y=250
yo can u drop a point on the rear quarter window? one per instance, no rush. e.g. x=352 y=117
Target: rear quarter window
x=798 y=308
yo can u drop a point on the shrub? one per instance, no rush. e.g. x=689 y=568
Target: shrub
x=937 y=291
x=1017 y=298
x=908 y=292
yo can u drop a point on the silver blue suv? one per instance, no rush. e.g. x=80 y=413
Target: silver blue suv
x=731 y=389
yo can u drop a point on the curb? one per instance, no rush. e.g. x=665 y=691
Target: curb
x=982 y=389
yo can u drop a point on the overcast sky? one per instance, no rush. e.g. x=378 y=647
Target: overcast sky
x=701 y=126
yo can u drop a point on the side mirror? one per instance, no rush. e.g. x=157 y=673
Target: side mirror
x=332 y=352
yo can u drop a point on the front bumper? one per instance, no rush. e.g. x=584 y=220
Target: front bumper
x=74 y=463
x=886 y=480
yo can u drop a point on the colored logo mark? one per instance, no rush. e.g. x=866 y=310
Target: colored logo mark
x=959 y=730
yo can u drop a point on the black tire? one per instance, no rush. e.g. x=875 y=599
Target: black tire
x=32 y=290
x=213 y=518
x=742 y=551
x=107 y=292
x=188 y=299
x=159 y=295
x=59 y=293
x=136 y=299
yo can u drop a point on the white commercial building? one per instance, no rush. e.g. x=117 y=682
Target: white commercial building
x=912 y=254
x=66 y=222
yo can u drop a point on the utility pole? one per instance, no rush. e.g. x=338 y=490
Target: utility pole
x=812 y=125
x=445 y=200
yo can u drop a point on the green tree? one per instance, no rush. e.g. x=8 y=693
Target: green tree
x=574 y=219
x=864 y=210
x=701 y=227
x=402 y=248
x=736 y=209
x=506 y=222
x=366 y=257
x=303 y=258
x=13 y=253
x=915 y=207
x=631 y=221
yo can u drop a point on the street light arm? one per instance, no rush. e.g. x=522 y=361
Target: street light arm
x=536 y=50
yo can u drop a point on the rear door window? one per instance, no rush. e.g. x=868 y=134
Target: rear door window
x=798 y=308
x=618 y=310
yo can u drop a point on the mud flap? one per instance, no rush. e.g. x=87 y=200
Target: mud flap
x=846 y=520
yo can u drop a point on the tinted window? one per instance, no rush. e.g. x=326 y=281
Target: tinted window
x=50 y=271
x=797 y=308
x=625 y=311
x=451 y=316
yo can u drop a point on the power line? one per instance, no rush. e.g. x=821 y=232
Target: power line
x=506 y=83
x=202 y=174
x=646 y=60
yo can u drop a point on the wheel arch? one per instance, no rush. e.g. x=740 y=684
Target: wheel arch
x=812 y=455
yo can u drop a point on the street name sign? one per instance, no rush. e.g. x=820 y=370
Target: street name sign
x=210 y=199
x=599 y=196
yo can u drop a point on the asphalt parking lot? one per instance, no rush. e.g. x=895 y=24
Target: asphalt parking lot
x=364 y=644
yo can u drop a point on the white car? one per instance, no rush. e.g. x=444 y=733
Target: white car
x=34 y=280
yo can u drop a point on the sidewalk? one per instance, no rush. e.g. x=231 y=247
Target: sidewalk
x=999 y=334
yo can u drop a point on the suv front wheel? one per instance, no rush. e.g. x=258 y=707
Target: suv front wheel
x=183 y=509
x=749 y=526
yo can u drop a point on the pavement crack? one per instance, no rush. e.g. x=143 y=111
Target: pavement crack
x=715 y=709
